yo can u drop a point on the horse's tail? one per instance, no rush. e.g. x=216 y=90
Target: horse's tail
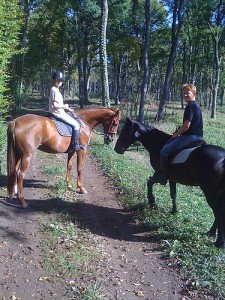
x=11 y=159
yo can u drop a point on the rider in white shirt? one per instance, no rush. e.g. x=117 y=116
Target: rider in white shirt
x=58 y=108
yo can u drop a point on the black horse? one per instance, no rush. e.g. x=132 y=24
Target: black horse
x=204 y=167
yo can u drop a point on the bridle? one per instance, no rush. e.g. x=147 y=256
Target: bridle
x=131 y=133
x=110 y=130
x=98 y=132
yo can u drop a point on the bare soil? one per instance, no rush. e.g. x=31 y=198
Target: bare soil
x=134 y=267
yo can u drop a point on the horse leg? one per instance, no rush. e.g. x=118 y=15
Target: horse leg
x=151 y=198
x=173 y=195
x=220 y=241
x=69 y=168
x=24 y=165
x=213 y=230
x=215 y=201
x=80 y=159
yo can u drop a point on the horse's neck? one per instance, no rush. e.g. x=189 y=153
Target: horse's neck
x=94 y=117
x=153 y=139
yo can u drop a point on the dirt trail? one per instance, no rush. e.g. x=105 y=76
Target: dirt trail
x=135 y=270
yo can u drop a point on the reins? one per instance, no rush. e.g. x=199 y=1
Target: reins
x=98 y=132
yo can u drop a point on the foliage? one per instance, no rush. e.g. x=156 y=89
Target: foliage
x=181 y=236
x=2 y=136
x=10 y=22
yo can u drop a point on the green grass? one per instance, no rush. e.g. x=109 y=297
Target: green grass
x=182 y=236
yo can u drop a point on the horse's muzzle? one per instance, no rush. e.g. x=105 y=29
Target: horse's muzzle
x=107 y=139
x=119 y=150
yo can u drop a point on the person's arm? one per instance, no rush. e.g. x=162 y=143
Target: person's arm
x=182 y=129
x=62 y=106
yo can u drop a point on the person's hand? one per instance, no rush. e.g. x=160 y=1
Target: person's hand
x=66 y=107
x=71 y=109
x=175 y=135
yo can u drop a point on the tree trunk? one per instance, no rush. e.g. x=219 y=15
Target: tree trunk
x=118 y=80
x=22 y=57
x=218 y=57
x=80 y=69
x=176 y=28
x=145 y=61
x=103 y=54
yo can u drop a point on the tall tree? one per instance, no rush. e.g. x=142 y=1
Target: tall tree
x=177 y=23
x=218 y=35
x=103 y=53
x=10 y=23
x=145 y=61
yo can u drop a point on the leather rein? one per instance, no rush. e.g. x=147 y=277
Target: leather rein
x=106 y=135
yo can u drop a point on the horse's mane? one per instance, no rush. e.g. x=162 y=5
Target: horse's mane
x=150 y=132
x=149 y=129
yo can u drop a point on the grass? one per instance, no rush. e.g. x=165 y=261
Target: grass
x=182 y=236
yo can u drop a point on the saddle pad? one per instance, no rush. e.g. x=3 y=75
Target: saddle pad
x=63 y=129
x=183 y=155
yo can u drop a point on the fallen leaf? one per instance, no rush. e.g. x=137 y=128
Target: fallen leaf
x=139 y=293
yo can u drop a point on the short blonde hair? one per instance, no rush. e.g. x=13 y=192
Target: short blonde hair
x=189 y=87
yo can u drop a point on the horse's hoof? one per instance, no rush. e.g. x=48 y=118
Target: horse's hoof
x=24 y=205
x=152 y=205
x=70 y=188
x=211 y=234
x=83 y=191
x=220 y=244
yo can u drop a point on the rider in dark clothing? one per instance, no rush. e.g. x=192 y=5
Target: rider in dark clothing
x=190 y=131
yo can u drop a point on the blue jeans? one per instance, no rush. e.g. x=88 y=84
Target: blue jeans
x=177 y=144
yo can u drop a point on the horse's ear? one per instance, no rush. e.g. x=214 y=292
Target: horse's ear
x=129 y=120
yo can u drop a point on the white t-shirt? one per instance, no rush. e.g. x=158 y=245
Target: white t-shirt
x=55 y=96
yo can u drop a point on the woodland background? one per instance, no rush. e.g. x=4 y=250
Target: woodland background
x=152 y=47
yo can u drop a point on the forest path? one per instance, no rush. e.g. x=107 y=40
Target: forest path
x=133 y=268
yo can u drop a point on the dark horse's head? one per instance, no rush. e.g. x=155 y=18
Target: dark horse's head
x=129 y=134
x=149 y=136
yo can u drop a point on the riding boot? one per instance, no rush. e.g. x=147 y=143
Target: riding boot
x=75 y=140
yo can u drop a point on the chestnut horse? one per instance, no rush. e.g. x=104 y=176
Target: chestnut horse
x=30 y=132
x=205 y=167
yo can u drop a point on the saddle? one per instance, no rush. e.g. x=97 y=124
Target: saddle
x=182 y=155
x=63 y=128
